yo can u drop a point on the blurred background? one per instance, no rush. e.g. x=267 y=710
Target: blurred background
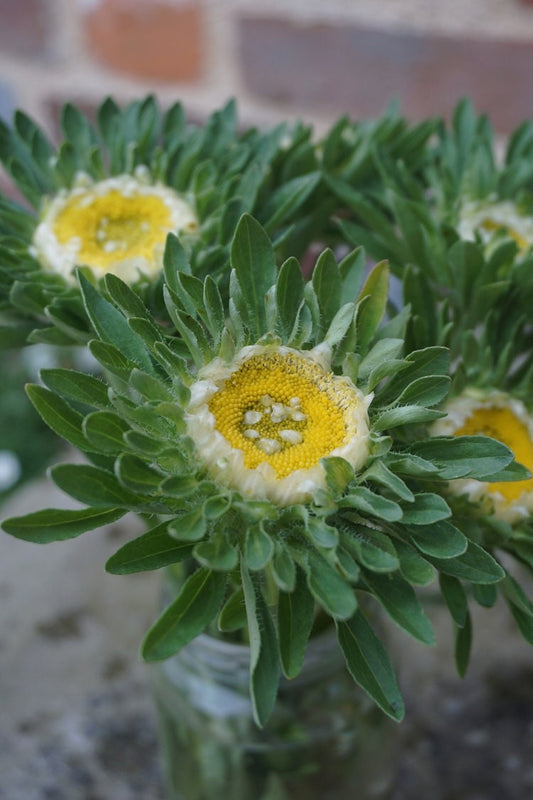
x=305 y=58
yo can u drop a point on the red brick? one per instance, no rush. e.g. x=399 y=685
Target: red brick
x=358 y=70
x=25 y=28
x=148 y=38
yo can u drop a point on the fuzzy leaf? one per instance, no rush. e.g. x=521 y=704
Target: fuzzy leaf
x=295 y=619
x=59 y=416
x=258 y=548
x=329 y=588
x=55 y=524
x=111 y=326
x=153 y=550
x=400 y=602
x=264 y=664
x=440 y=539
x=460 y=456
x=233 y=614
x=187 y=616
x=254 y=262
x=369 y=664
x=474 y=565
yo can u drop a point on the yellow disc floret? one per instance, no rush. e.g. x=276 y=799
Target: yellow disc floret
x=506 y=419
x=263 y=423
x=283 y=410
x=118 y=225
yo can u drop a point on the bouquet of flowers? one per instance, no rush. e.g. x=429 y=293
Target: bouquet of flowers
x=298 y=446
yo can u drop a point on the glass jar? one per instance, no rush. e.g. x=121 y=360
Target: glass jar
x=325 y=740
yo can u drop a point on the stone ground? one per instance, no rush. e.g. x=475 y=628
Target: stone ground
x=76 y=718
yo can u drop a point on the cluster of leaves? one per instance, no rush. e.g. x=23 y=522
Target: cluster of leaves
x=253 y=565
x=277 y=175
x=460 y=293
x=222 y=173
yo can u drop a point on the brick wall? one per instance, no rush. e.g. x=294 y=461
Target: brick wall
x=316 y=60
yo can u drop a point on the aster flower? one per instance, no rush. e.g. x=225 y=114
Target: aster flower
x=462 y=189
x=132 y=193
x=279 y=449
x=506 y=419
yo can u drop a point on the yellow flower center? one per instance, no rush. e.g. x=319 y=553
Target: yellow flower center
x=114 y=226
x=502 y=424
x=117 y=225
x=286 y=410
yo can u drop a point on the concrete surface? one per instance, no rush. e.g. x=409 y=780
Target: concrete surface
x=77 y=723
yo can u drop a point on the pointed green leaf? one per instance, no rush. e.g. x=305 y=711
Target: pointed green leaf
x=369 y=664
x=55 y=525
x=264 y=663
x=111 y=326
x=295 y=620
x=153 y=550
x=253 y=259
x=187 y=616
x=401 y=603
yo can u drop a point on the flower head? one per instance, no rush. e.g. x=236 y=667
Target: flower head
x=485 y=218
x=262 y=423
x=138 y=192
x=506 y=419
x=276 y=440
x=117 y=225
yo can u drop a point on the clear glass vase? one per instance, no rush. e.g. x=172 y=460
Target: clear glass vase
x=324 y=741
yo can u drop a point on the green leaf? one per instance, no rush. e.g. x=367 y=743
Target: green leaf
x=455 y=597
x=515 y=595
x=111 y=326
x=401 y=603
x=253 y=259
x=460 y=456
x=187 y=616
x=426 y=509
x=371 y=503
x=381 y=474
x=189 y=527
x=369 y=664
x=264 y=663
x=413 y=567
x=217 y=552
x=233 y=615
x=59 y=416
x=326 y=281
x=258 y=547
x=295 y=620
x=405 y=415
x=440 y=539
x=426 y=391
x=77 y=386
x=55 y=524
x=339 y=473
x=104 y=430
x=373 y=303
x=153 y=550
x=474 y=565
x=329 y=587
x=283 y=568
x=93 y=486
x=463 y=645
x=371 y=548
x=137 y=476
x=289 y=296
